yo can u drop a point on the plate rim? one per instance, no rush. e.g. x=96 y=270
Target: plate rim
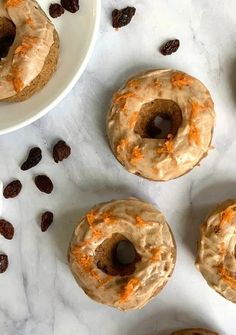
x=70 y=85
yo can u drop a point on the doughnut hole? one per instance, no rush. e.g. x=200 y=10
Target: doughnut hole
x=7 y=36
x=158 y=119
x=117 y=256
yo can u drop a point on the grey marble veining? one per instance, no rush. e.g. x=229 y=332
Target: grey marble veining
x=38 y=295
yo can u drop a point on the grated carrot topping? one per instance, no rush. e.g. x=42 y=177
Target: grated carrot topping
x=95 y=275
x=129 y=289
x=13 y=3
x=195 y=108
x=122 y=145
x=156 y=254
x=126 y=95
x=26 y=45
x=136 y=154
x=96 y=234
x=168 y=145
x=91 y=216
x=227 y=277
x=194 y=134
x=139 y=221
x=109 y=218
x=85 y=262
x=181 y=80
x=226 y=216
x=29 y=21
x=133 y=120
x=134 y=83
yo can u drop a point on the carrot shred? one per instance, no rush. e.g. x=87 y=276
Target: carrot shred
x=227 y=277
x=13 y=3
x=129 y=289
x=156 y=254
x=139 y=221
x=109 y=218
x=136 y=154
x=181 y=80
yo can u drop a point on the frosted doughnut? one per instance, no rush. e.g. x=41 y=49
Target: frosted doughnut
x=96 y=240
x=134 y=138
x=216 y=258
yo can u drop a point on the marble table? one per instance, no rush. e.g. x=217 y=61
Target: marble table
x=38 y=295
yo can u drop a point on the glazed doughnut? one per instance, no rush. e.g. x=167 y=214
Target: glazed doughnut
x=130 y=283
x=194 y=331
x=216 y=258
x=33 y=55
x=139 y=145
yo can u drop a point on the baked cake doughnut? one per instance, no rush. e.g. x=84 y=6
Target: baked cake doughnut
x=140 y=145
x=216 y=257
x=122 y=253
x=194 y=331
x=32 y=57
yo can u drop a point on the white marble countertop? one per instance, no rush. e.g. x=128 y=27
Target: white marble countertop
x=38 y=295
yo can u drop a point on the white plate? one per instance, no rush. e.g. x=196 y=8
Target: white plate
x=77 y=34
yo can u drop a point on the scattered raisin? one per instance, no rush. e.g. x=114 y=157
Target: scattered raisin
x=44 y=184
x=70 y=5
x=12 y=190
x=46 y=221
x=121 y=18
x=3 y=263
x=34 y=157
x=170 y=47
x=56 y=10
x=61 y=151
x=6 y=229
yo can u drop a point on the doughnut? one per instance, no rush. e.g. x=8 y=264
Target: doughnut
x=216 y=257
x=33 y=45
x=122 y=253
x=194 y=331
x=151 y=150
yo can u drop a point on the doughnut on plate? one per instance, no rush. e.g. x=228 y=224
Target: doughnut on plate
x=75 y=51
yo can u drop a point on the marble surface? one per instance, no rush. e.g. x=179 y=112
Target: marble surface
x=38 y=295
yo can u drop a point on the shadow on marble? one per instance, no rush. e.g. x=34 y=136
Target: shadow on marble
x=179 y=319
x=202 y=203
x=64 y=226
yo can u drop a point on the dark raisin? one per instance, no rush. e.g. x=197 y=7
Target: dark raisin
x=121 y=18
x=44 y=184
x=70 y=5
x=46 y=221
x=3 y=263
x=61 y=151
x=12 y=190
x=56 y=10
x=34 y=157
x=6 y=229
x=170 y=47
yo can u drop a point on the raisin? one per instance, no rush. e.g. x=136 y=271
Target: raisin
x=44 y=184
x=34 y=157
x=170 y=47
x=6 y=229
x=56 y=10
x=121 y=18
x=12 y=190
x=70 y=5
x=46 y=221
x=61 y=151
x=3 y=263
